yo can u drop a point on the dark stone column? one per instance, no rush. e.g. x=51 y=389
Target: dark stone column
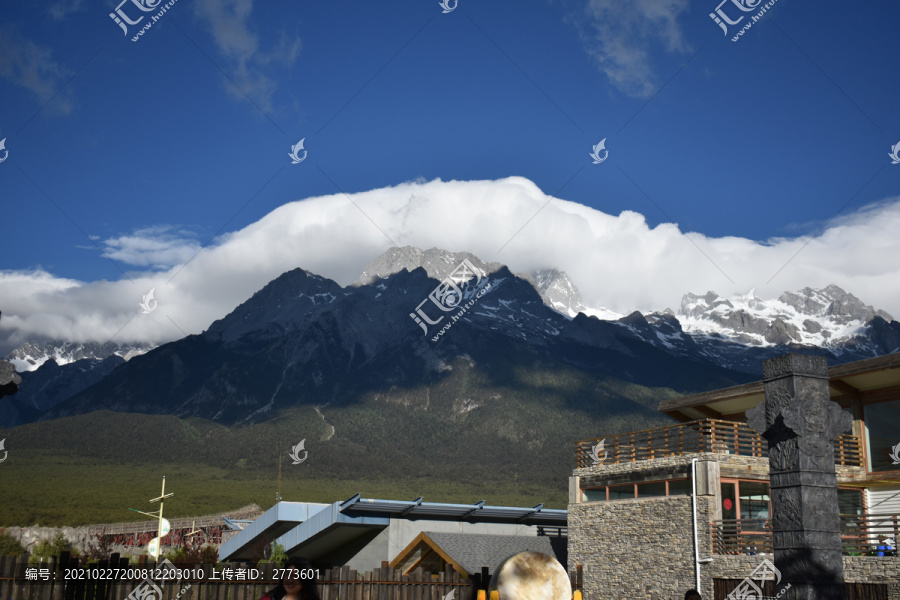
x=800 y=422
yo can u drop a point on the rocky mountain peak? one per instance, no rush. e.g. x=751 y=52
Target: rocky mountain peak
x=31 y=355
x=825 y=317
x=436 y=262
x=555 y=287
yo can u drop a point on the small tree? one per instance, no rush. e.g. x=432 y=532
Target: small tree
x=278 y=556
x=10 y=546
x=47 y=549
x=98 y=548
x=209 y=555
x=178 y=555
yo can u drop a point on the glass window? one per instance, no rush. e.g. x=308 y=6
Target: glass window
x=850 y=502
x=617 y=492
x=882 y=434
x=729 y=506
x=593 y=495
x=649 y=490
x=754 y=498
x=680 y=487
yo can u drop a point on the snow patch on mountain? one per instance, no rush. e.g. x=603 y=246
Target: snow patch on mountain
x=828 y=317
x=555 y=287
x=31 y=355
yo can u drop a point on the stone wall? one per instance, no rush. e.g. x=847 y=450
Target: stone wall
x=639 y=549
x=642 y=549
x=874 y=569
x=857 y=569
x=731 y=465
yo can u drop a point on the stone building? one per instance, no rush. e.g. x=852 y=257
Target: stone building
x=632 y=515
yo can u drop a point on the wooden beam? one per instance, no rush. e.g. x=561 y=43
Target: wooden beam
x=746 y=389
x=867 y=365
x=707 y=411
x=844 y=388
x=679 y=416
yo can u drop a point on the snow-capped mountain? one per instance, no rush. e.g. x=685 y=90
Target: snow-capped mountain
x=739 y=332
x=31 y=355
x=305 y=339
x=828 y=318
x=43 y=388
x=555 y=287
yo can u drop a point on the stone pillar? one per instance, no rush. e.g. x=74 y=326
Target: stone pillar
x=800 y=422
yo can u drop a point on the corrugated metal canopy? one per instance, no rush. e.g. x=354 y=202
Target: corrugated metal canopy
x=478 y=512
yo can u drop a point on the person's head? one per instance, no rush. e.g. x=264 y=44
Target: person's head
x=297 y=580
x=692 y=594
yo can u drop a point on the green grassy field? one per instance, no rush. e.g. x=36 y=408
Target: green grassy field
x=39 y=488
x=508 y=441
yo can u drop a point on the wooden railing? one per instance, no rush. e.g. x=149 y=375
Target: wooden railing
x=861 y=535
x=705 y=435
x=741 y=536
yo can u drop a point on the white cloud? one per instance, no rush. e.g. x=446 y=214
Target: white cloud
x=249 y=65
x=156 y=247
x=617 y=261
x=621 y=35
x=62 y=9
x=32 y=67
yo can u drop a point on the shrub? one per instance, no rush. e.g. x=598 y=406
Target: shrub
x=10 y=546
x=47 y=549
x=278 y=555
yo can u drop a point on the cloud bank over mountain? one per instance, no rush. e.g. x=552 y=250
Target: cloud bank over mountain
x=618 y=262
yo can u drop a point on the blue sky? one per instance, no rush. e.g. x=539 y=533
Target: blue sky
x=125 y=158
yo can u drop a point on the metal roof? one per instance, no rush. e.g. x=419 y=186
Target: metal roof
x=275 y=522
x=316 y=530
x=476 y=513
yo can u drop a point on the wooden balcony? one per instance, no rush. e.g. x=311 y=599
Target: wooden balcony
x=705 y=435
x=861 y=535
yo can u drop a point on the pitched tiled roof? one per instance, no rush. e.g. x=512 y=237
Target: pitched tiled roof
x=472 y=551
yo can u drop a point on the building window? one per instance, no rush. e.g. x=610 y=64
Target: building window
x=680 y=487
x=593 y=495
x=619 y=492
x=650 y=489
x=744 y=499
x=882 y=435
x=754 y=499
x=850 y=502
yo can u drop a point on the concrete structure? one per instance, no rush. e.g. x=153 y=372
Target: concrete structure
x=632 y=516
x=362 y=533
